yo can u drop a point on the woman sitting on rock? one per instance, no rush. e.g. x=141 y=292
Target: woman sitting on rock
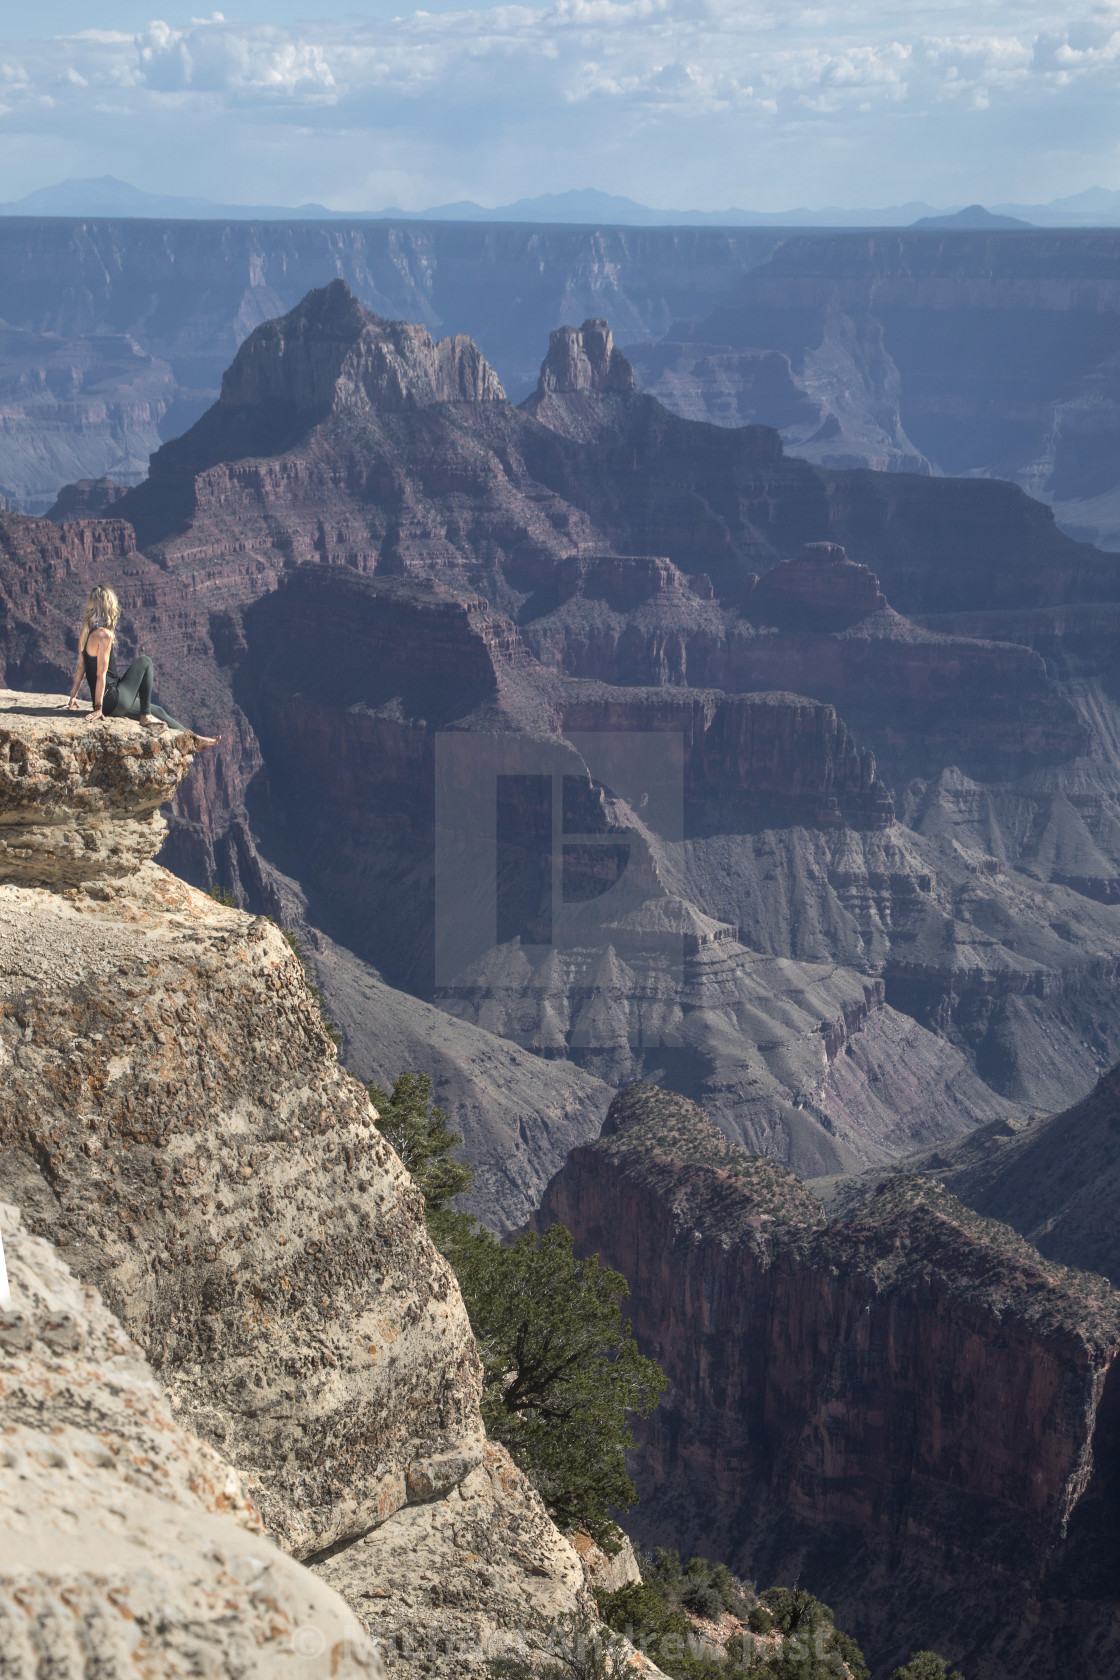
x=129 y=696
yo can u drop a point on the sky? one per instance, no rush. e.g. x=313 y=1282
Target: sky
x=681 y=104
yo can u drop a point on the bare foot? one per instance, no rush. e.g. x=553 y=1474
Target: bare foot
x=149 y=722
x=206 y=740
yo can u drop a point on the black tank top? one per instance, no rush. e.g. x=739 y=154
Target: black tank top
x=109 y=701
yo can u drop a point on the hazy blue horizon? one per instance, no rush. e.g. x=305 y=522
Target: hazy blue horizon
x=698 y=105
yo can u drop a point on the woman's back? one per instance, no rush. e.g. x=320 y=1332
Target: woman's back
x=94 y=645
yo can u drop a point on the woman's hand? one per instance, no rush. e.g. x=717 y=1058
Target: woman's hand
x=71 y=703
x=94 y=716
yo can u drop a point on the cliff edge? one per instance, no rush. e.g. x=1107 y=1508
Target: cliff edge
x=174 y=1119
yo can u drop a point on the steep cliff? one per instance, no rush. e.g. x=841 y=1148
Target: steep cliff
x=910 y=1410
x=174 y=1118
x=126 y=1544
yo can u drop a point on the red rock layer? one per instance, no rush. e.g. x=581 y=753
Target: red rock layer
x=910 y=1410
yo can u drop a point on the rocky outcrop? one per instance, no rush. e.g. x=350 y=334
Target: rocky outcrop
x=87 y=498
x=127 y=1543
x=583 y=366
x=906 y=1408
x=330 y=352
x=173 y=1117
x=821 y=590
x=80 y=802
x=585 y=359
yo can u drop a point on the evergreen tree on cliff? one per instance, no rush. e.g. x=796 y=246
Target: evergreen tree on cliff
x=562 y=1372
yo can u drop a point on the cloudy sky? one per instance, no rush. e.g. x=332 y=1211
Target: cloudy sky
x=763 y=104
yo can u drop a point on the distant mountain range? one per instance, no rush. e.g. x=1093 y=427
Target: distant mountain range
x=107 y=196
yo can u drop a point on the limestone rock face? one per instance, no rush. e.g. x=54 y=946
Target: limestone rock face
x=174 y=1115
x=449 y=1582
x=80 y=801
x=174 y=1118
x=127 y=1544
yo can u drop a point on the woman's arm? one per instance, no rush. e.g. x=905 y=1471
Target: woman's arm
x=76 y=684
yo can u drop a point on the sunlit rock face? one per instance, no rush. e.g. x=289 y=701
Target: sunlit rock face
x=78 y=801
x=174 y=1119
x=124 y=1538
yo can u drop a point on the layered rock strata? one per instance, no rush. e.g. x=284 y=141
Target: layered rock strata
x=978 y=352
x=531 y=582
x=909 y=1410
x=126 y=1543
x=174 y=1118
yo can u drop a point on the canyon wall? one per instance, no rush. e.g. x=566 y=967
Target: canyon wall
x=909 y=1409
x=116 y=333
x=385 y=562
x=955 y=352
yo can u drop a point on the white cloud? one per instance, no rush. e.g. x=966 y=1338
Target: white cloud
x=514 y=99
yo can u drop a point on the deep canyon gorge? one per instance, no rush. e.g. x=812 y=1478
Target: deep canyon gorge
x=592 y=746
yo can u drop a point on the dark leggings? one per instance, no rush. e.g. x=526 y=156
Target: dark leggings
x=134 y=694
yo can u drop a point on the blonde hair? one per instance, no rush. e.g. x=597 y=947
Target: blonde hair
x=103 y=611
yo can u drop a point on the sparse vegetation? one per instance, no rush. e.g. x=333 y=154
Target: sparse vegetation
x=561 y=1370
x=786 y=1633
x=421 y=1136
x=926 y=1665
x=222 y=895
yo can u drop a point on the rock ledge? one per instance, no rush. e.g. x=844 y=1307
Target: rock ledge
x=79 y=801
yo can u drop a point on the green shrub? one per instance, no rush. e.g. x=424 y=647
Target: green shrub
x=926 y=1665
x=422 y=1138
x=561 y=1370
